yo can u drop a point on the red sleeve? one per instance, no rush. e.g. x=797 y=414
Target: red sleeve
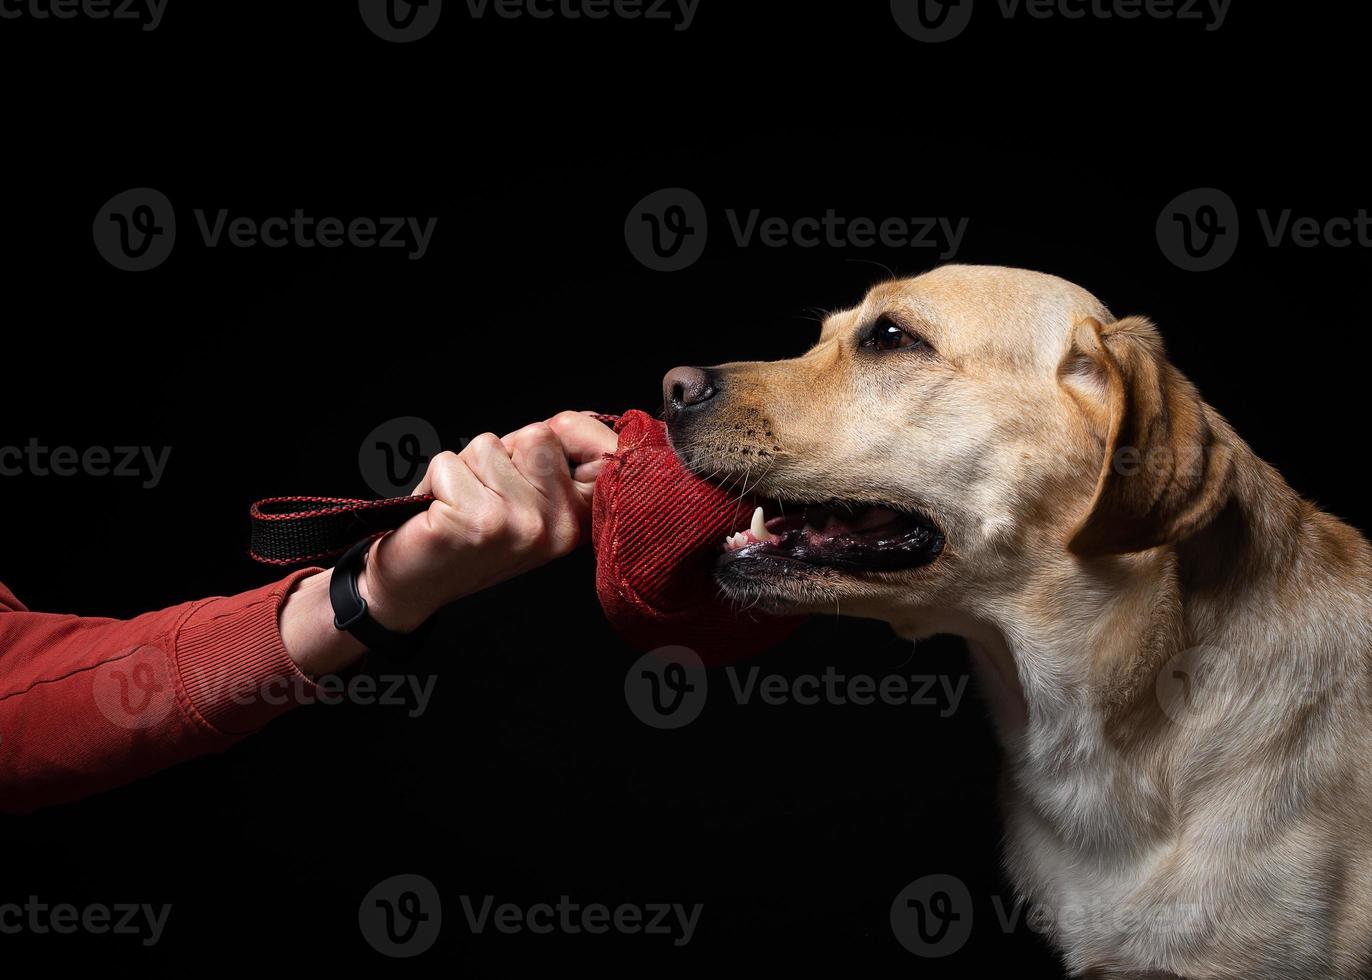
x=90 y=704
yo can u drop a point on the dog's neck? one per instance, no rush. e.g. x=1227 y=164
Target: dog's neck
x=1073 y=682
x=1095 y=650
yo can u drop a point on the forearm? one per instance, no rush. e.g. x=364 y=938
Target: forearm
x=88 y=704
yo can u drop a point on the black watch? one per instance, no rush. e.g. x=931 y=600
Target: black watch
x=350 y=609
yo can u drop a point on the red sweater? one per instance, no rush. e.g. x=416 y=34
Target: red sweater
x=90 y=704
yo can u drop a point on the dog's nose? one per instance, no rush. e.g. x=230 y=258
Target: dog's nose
x=686 y=387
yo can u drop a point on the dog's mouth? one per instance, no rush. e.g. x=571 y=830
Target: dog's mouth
x=838 y=534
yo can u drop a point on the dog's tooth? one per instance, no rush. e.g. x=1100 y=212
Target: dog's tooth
x=759 y=527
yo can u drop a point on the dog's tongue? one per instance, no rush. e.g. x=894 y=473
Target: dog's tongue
x=657 y=530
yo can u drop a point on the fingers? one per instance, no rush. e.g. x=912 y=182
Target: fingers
x=585 y=441
x=448 y=478
x=539 y=457
x=488 y=458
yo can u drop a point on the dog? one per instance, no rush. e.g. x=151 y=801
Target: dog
x=1173 y=644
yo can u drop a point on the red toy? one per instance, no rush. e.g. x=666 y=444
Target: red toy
x=657 y=530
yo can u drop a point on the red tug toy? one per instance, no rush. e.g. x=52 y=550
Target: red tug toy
x=657 y=530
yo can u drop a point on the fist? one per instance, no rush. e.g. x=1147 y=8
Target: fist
x=502 y=506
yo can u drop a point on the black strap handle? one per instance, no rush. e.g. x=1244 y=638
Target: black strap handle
x=301 y=530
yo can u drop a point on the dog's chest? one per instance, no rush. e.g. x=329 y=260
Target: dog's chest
x=1084 y=845
x=1093 y=844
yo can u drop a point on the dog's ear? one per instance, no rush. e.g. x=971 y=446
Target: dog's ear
x=1166 y=468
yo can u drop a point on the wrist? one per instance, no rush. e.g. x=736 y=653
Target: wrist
x=396 y=609
x=308 y=633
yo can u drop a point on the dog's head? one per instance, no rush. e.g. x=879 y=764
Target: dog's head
x=945 y=440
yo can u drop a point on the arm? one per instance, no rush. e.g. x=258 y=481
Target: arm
x=88 y=704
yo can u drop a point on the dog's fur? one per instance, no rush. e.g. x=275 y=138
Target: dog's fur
x=1174 y=644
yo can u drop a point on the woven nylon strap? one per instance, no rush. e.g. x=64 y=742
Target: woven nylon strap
x=301 y=530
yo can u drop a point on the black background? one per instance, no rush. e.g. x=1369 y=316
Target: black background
x=528 y=778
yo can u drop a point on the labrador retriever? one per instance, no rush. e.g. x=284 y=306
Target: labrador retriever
x=1175 y=646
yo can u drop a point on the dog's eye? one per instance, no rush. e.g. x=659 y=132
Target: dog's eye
x=886 y=335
